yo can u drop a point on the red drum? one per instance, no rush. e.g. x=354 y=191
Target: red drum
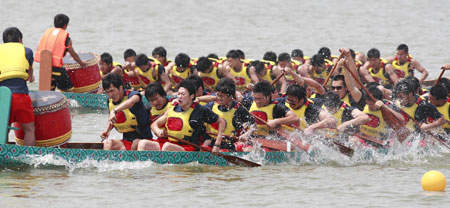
x=84 y=79
x=52 y=119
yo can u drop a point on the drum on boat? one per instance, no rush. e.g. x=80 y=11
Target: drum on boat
x=53 y=125
x=84 y=79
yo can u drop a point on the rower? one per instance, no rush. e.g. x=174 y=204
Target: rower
x=127 y=114
x=259 y=71
x=270 y=56
x=377 y=127
x=415 y=109
x=297 y=55
x=58 y=41
x=326 y=53
x=180 y=69
x=152 y=71
x=160 y=54
x=107 y=65
x=438 y=97
x=317 y=70
x=404 y=65
x=211 y=71
x=348 y=118
x=285 y=62
x=376 y=70
x=186 y=120
x=310 y=116
x=16 y=68
x=238 y=70
x=235 y=116
x=262 y=106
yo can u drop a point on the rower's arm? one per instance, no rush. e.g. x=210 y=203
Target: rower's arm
x=75 y=56
x=166 y=80
x=221 y=129
x=364 y=73
x=316 y=85
x=225 y=71
x=350 y=82
x=437 y=123
x=290 y=118
x=304 y=70
x=156 y=125
x=326 y=120
x=207 y=98
x=252 y=74
x=416 y=65
x=391 y=72
x=358 y=118
x=390 y=59
x=297 y=78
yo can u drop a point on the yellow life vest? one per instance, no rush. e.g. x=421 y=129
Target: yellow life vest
x=380 y=76
x=242 y=77
x=294 y=65
x=301 y=113
x=126 y=120
x=155 y=113
x=346 y=99
x=376 y=126
x=402 y=70
x=411 y=111
x=445 y=112
x=177 y=123
x=176 y=77
x=331 y=133
x=227 y=116
x=320 y=77
x=210 y=79
x=265 y=113
x=13 y=62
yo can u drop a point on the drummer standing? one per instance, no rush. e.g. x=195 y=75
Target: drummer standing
x=16 y=67
x=58 y=41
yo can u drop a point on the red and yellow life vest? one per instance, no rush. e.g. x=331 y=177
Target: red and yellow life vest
x=176 y=76
x=227 y=116
x=177 y=123
x=265 y=113
x=13 y=62
x=402 y=70
x=210 y=79
x=380 y=76
x=54 y=40
x=125 y=120
x=242 y=77
x=301 y=113
x=376 y=126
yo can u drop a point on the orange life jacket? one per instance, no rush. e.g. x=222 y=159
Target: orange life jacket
x=54 y=40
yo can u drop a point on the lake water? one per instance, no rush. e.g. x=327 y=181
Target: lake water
x=201 y=27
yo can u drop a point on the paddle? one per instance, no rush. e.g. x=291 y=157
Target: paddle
x=332 y=70
x=110 y=127
x=278 y=78
x=45 y=71
x=392 y=121
x=440 y=76
x=232 y=159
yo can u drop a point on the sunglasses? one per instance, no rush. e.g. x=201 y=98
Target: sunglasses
x=336 y=87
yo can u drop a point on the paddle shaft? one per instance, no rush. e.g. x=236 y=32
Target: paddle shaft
x=229 y=158
x=440 y=76
x=278 y=78
x=332 y=70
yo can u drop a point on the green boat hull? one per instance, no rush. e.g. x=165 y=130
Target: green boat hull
x=11 y=155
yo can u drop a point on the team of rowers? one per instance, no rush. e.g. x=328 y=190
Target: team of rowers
x=228 y=103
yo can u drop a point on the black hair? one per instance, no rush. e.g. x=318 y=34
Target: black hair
x=182 y=60
x=414 y=82
x=331 y=99
x=284 y=57
x=370 y=84
x=160 y=51
x=373 y=53
x=60 y=20
x=317 y=60
x=114 y=79
x=270 y=56
x=212 y=55
x=263 y=87
x=325 y=51
x=203 y=64
x=440 y=92
x=296 y=91
x=189 y=85
x=352 y=53
x=241 y=53
x=402 y=47
x=339 y=77
x=153 y=89
x=106 y=57
x=128 y=53
x=197 y=81
x=226 y=86
x=12 y=34
x=445 y=81
x=233 y=54
x=297 y=53
x=141 y=60
x=259 y=66
x=403 y=86
x=376 y=93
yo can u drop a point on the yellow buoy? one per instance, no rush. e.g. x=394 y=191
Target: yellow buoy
x=433 y=181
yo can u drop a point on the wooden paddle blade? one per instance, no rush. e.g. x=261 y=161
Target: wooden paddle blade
x=344 y=149
x=45 y=71
x=240 y=161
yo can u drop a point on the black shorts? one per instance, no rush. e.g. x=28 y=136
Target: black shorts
x=60 y=79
